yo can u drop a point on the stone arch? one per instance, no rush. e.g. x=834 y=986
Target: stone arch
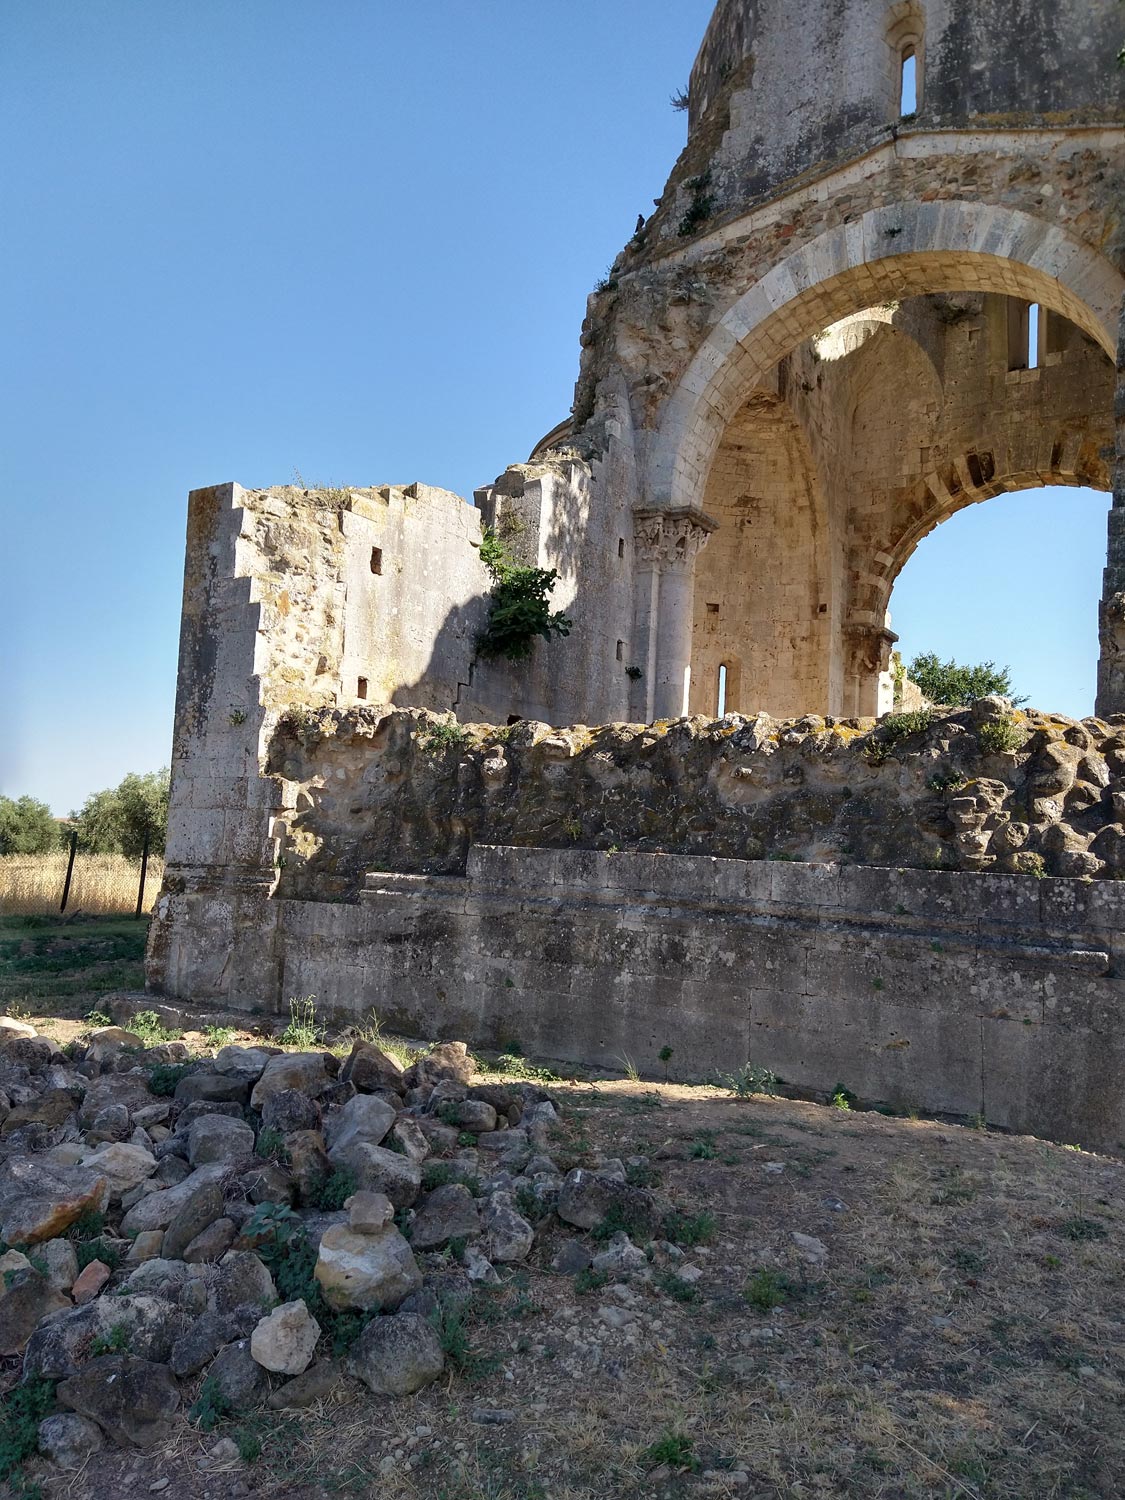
x=901 y=250
x=1091 y=474
x=763 y=585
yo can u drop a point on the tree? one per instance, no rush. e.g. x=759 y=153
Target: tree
x=116 y=820
x=950 y=682
x=27 y=827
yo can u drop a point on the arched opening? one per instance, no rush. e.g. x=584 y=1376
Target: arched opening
x=1018 y=602
x=856 y=445
x=908 y=85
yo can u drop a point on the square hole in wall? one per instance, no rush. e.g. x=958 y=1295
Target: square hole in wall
x=377 y=559
x=712 y=609
x=361 y=688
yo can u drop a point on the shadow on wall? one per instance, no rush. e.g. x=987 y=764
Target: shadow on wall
x=452 y=664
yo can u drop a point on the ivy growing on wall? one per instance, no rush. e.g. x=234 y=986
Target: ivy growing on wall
x=521 y=610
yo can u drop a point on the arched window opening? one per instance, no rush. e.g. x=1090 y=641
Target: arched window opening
x=721 y=706
x=905 y=36
x=1052 y=654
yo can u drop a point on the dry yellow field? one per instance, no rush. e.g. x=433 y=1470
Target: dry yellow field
x=102 y=885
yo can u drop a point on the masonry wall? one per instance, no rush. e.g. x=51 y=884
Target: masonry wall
x=946 y=992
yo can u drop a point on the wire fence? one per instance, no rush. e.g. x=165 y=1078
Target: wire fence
x=102 y=885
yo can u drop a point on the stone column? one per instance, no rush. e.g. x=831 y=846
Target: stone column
x=1111 y=615
x=666 y=543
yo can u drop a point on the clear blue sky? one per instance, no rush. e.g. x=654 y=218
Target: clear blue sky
x=351 y=238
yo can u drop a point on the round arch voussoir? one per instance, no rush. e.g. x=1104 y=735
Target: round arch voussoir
x=896 y=251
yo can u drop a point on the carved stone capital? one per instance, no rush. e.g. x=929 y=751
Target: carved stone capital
x=870 y=647
x=670 y=538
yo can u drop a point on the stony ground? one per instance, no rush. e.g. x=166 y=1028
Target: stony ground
x=858 y=1306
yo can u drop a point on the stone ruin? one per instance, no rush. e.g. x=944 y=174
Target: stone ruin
x=851 y=314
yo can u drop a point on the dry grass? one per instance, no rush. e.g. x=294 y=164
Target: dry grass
x=104 y=885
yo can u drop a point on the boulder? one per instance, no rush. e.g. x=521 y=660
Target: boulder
x=449 y=1212
x=620 y=1257
x=214 y=1138
x=61 y=1344
x=379 y=1170
x=304 y=1071
x=289 y=1110
x=365 y=1271
x=211 y=1244
x=11 y=1029
x=238 y=1378
x=285 y=1339
x=68 y=1439
x=200 y=1208
x=473 y=1115
x=369 y=1213
x=157 y=1210
x=207 y=1334
x=364 y=1118
x=37 y=1201
x=308 y=1161
x=53 y=1108
x=316 y=1384
x=147 y=1246
x=240 y=1278
x=89 y=1282
x=248 y=1063
x=26 y=1298
x=397 y=1355
x=59 y=1262
x=123 y=1165
x=131 y=1399
x=446 y=1060
x=157 y=1277
x=507 y=1235
x=218 y=1088
x=127 y=1089
x=586 y=1198
x=409 y=1139
x=369 y=1068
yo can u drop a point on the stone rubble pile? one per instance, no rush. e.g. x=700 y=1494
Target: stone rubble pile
x=145 y=1235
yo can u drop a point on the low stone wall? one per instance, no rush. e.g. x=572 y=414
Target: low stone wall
x=979 y=788
x=947 y=991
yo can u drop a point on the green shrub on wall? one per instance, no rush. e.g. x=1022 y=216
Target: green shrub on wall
x=521 y=609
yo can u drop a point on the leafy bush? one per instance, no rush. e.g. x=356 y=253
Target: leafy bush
x=750 y=1080
x=443 y=737
x=115 y=821
x=689 y=1229
x=333 y=1190
x=303 y=1029
x=163 y=1077
x=520 y=611
x=768 y=1289
x=951 y=682
x=21 y=1411
x=1000 y=736
x=673 y=1449
x=148 y=1026
x=27 y=827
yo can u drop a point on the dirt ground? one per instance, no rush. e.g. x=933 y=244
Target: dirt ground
x=953 y=1326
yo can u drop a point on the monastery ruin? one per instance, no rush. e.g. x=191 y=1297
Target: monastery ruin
x=885 y=281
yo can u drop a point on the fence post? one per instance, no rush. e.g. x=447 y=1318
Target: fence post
x=69 y=869
x=144 y=872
